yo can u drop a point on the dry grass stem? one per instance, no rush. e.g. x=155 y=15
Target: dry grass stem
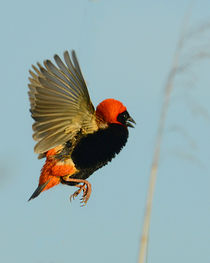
x=193 y=47
x=154 y=167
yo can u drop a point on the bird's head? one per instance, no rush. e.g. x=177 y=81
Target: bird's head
x=113 y=111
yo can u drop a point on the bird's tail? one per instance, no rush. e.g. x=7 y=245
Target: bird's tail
x=46 y=180
x=53 y=181
x=38 y=190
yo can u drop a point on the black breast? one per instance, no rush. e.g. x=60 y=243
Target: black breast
x=95 y=150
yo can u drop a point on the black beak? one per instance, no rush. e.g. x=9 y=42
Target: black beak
x=128 y=124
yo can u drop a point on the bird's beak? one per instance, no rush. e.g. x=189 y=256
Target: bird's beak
x=128 y=124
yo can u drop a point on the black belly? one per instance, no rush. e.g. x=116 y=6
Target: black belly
x=96 y=150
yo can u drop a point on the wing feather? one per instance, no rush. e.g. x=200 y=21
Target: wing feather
x=60 y=102
x=71 y=74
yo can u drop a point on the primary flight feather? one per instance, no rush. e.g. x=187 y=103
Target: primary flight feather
x=75 y=139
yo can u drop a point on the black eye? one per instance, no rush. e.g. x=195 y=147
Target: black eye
x=122 y=117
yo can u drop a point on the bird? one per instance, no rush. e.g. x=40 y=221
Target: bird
x=74 y=138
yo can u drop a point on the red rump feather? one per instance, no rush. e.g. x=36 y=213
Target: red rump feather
x=52 y=171
x=46 y=175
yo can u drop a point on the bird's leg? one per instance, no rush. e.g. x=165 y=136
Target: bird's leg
x=85 y=187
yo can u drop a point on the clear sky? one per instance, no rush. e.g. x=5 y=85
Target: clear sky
x=125 y=49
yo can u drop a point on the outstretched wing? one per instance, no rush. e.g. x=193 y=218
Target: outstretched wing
x=60 y=103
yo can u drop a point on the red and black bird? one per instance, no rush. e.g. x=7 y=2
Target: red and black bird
x=75 y=139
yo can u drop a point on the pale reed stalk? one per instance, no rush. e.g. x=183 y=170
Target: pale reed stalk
x=156 y=156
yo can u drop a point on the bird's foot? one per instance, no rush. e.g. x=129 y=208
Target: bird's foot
x=85 y=187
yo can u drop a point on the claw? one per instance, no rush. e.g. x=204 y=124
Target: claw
x=85 y=187
x=74 y=195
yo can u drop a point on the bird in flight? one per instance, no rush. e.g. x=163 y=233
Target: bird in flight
x=75 y=139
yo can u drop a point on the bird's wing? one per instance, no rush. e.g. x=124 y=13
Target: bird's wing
x=60 y=103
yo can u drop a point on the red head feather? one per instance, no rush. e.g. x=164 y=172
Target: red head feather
x=109 y=109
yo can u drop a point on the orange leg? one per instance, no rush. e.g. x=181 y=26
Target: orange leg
x=85 y=187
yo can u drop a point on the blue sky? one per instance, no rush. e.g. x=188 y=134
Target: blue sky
x=125 y=49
